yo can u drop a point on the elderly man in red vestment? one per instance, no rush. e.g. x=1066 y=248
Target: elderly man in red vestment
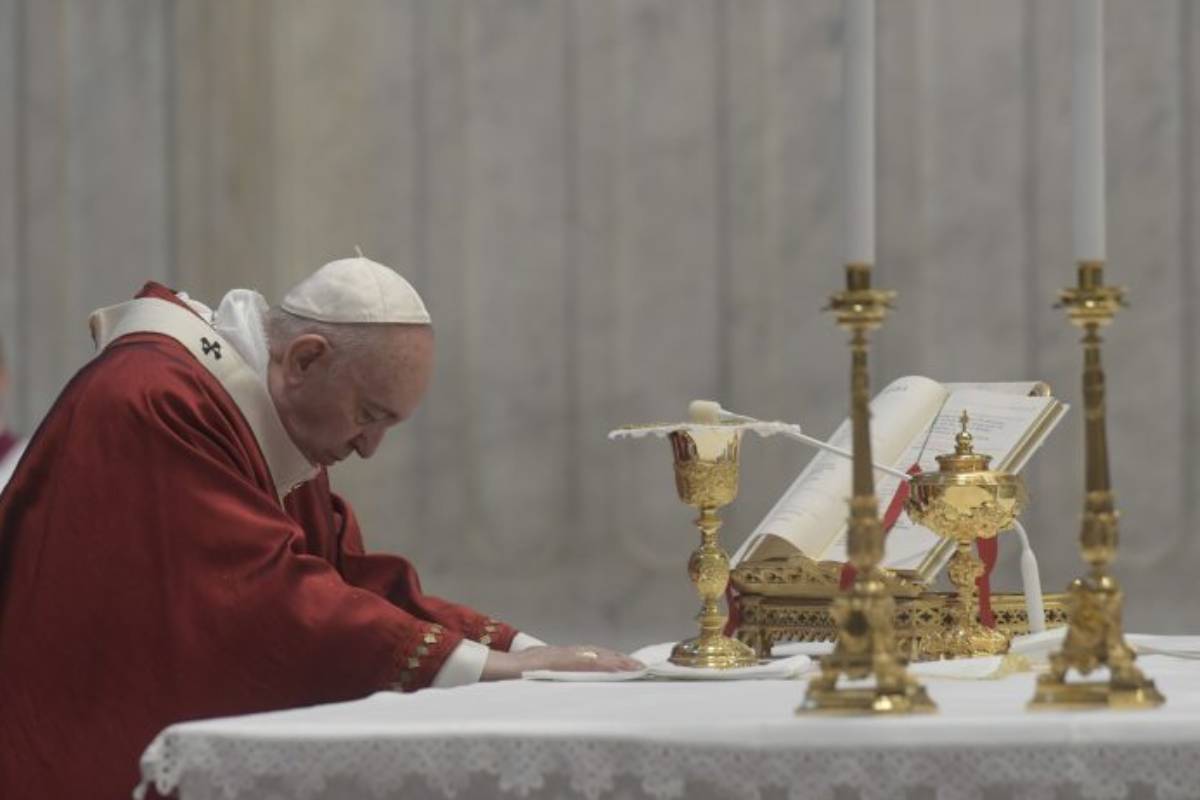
x=170 y=547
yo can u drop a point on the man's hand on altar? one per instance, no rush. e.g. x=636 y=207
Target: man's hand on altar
x=576 y=658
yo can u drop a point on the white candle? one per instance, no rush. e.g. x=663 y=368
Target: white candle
x=1087 y=117
x=858 y=158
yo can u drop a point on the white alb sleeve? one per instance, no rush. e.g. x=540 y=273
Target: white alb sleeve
x=523 y=641
x=464 y=665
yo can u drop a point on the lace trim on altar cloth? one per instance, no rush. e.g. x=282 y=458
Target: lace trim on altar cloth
x=231 y=768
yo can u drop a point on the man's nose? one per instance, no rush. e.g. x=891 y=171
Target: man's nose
x=367 y=442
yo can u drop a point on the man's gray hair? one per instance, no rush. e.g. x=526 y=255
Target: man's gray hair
x=350 y=341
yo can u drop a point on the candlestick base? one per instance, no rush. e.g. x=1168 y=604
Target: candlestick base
x=866 y=648
x=1095 y=639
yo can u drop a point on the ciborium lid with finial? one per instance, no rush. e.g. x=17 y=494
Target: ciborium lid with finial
x=964 y=498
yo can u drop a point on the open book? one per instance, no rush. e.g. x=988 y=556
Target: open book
x=913 y=420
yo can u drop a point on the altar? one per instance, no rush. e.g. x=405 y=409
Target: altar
x=694 y=739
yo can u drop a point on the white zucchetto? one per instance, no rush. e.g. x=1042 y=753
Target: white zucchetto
x=354 y=290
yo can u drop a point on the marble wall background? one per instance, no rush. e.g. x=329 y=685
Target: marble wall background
x=613 y=207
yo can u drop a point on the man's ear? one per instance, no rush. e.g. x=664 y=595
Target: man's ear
x=301 y=354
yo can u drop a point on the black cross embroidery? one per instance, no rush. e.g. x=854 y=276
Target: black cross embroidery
x=211 y=348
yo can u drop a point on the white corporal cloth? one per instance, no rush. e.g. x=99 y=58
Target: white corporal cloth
x=658 y=667
x=694 y=739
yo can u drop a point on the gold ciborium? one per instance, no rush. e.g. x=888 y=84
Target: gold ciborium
x=706 y=476
x=963 y=501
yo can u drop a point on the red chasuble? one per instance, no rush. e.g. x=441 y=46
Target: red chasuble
x=7 y=443
x=149 y=575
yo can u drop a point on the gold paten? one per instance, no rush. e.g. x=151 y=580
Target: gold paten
x=1094 y=635
x=706 y=476
x=866 y=644
x=963 y=501
x=920 y=623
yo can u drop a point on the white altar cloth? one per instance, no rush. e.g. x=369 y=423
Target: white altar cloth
x=670 y=740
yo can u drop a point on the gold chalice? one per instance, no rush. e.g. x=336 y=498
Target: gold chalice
x=964 y=501
x=706 y=476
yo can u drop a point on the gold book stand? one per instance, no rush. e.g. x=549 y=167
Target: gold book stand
x=788 y=600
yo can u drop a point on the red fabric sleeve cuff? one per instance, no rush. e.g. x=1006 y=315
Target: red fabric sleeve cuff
x=489 y=632
x=420 y=654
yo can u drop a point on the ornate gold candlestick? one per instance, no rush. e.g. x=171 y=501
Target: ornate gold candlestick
x=964 y=501
x=706 y=477
x=866 y=645
x=1094 y=635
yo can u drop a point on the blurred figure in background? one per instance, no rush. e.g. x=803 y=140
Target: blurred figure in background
x=11 y=445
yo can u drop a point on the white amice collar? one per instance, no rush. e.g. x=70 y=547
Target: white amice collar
x=241 y=318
